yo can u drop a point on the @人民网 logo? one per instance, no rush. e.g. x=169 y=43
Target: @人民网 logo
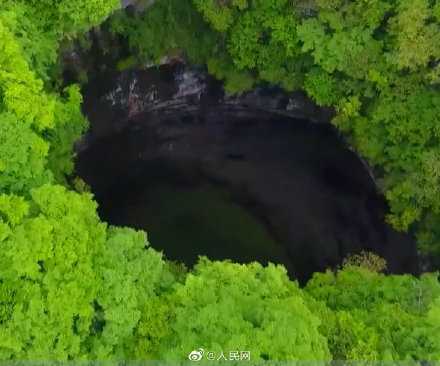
x=196 y=355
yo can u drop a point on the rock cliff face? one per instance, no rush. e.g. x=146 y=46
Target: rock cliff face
x=174 y=126
x=174 y=88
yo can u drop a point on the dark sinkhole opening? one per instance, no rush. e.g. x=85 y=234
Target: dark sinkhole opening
x=248 y=178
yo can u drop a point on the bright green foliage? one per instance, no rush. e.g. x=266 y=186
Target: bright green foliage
x=436 y=11
x=70 y=124
x=153 y=329
x=77 y=286
x=132 y=278
x=31 y=112
x=70 y=17
x=322 y=87
x=261 y=36
x=23 y=156
x=38 y=45
x=235 y=81
x=219 y=16
x=225 y=307
x=401 y=133
x=21 y=92
x=416 y=37
x=40 y=25
x=13 y=209
x=48 y=261
x=378 y=317
x=37 y=128
x=342 y=38
x=433 y=320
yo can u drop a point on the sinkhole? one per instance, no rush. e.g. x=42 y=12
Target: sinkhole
x=258 y=177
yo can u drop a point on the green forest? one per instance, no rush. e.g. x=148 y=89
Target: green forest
x=73 y=287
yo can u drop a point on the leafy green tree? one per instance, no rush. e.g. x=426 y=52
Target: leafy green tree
x=21 y=91
x=38 y=128
x=219 y=16
x=261 y=36
x=23 y=156
x=70 y=124
x=322 y=87
x=168 y=28
x=377 y=317
x=235 y=81
x=48 y=254
x=70 y=288
x=41 y=25
x=70 y=17
x=415 y=35
x=225 y=307
x=39 y=45
x=133 y=279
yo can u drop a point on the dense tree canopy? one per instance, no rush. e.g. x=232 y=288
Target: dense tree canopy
x=70 y=287
x=377 y=317
x=225 y=306
x=73 y=288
